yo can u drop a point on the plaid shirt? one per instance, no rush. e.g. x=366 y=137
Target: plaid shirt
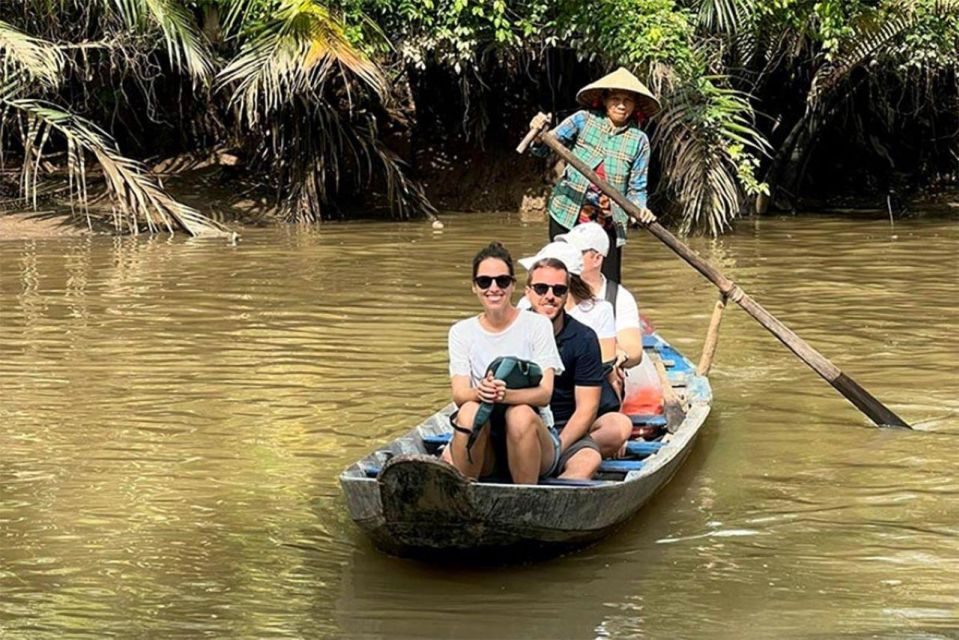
x=624 y=153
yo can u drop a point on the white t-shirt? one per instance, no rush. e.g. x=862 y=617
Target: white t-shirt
x=627 y=312
x=595 y=314
x=627 y=317
x=472 y=348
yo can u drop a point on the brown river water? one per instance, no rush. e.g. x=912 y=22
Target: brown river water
x=174 y=414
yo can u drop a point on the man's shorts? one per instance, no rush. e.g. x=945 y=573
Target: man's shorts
x=586 y=442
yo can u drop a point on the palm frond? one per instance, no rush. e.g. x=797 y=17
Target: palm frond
x=867 y=44
x=723 y=16
x=282 y=84
x=869 y=41
x=236 y=14
x=33 y=57
x=294 y=55
x=136 y=195
x=11 y=85
x=186 y=46
x=404 y=195
x=696 y=134
x=324 y=146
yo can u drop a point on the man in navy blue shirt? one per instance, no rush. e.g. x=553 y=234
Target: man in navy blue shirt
x=576 y=392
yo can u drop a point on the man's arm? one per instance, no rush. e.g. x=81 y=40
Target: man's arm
x=604 y=324
x=587 y=404
x=587 y=387
x=607 y=348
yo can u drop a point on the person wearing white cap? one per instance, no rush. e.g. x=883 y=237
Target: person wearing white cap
x=592 y=241
x=606 y=136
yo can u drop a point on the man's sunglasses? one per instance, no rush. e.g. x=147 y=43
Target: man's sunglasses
x=484 y=282
x=540 y=289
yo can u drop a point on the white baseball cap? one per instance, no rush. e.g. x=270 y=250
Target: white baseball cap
x=586 y=236
x=566 y=253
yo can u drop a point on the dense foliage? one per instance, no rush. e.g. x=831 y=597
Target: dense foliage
x=323 y=101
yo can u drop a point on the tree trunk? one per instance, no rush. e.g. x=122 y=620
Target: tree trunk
x=212 y=28
x=784 y=158
x=789 y=164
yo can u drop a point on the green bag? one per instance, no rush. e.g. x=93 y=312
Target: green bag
x=517 y=374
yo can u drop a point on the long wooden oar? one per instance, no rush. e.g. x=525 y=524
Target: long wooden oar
x=862 y=399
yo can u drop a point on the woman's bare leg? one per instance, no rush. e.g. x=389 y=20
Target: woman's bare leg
x=528 y=444
x=458 y=456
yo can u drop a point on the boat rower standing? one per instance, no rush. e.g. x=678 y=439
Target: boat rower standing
x=607 y=136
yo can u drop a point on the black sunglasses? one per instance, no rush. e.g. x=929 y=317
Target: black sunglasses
x=540 y=289
x=484 y=282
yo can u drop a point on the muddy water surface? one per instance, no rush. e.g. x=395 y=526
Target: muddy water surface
x=173 y=415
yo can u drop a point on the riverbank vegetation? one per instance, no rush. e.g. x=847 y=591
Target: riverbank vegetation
x=331 y=108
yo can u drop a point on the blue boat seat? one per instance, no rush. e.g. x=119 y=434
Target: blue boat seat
x=642 y=449
x=677 y=361
x=635 y=448
x=620 y=466
x=434 y=442
x=648 y=420
x=638 y=420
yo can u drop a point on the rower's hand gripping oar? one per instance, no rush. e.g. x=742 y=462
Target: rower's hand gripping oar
x=539 y=125
x=862 y=399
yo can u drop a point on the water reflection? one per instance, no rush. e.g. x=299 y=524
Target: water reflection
x=173 y=415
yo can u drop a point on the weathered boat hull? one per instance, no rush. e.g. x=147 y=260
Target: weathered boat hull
x=412 y=504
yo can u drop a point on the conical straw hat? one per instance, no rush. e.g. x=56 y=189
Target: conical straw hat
x=623 y=80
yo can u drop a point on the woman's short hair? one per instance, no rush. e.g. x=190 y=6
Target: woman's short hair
x=493 y=250
x=546 y=262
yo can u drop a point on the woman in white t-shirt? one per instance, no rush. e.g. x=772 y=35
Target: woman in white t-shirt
x=524 y=445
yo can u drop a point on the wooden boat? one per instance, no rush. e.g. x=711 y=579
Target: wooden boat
x=413 y=504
